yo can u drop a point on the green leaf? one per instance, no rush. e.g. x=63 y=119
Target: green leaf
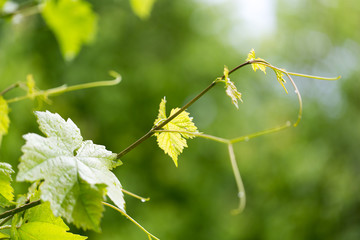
x=4 y=117
x=142 y=8
x=73 y=22
x=45 y=231
x=231 y=89
x=2 y=2
x=4 y=236
x=40 y=223
x=173 y=143
x=255 y=66
x=6 y=191
x=76 y=172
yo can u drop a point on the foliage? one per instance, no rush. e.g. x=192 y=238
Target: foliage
x=298 y=181
x=6 y=191
x=172 y=142
x=75 y=172
x=231 y=89
x=40 y=223
x=4 y=117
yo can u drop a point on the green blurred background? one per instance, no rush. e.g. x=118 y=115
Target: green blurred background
x=301 y=183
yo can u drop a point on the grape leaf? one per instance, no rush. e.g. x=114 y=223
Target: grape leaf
x=4 y=117
x=6 y=191
x=142 y=8
x=40 y=223
x=255 y=66
x=75 y=172
x=231 y=89
x=280 y=78
x=73 y=22
x=173 y=143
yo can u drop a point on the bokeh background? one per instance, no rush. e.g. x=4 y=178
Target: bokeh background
x=301 y=183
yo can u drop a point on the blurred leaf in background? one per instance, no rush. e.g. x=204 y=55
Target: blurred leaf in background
x=142 y=8
x=73 y=22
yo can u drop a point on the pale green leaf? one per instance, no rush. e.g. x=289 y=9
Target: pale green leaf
x=4 y=117
x=73 y=22
x=255 y=66
x=6 y=191
x=231 y=89
x=173 y=143
x=142 y=8
x=76 y=172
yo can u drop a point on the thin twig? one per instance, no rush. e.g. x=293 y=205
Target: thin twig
x=239 y=183
x=20 y=209
x=64 y=89
x=142 y=199
x=15 y=85
x=162 y=124
x=260 y=133
x=315 y=77
x=131 y=219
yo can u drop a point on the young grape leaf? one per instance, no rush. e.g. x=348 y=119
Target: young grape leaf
x=142 y=8
x=231 y=89
x=173 y=143
x=6 y=191
x=4 y=117
x=73 y=22
x=255 y=66
x=280 y=78
x=75 y=172
x=40 y=223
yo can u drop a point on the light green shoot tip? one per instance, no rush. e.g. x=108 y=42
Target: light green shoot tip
x=116 y=75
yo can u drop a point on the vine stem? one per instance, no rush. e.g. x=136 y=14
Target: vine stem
x=162 y=124
x=238 y=180
x=243 y=138
x=15 y=85
x=20 y=209
x=64 y=88
x=234 y=166
x=315 y=77
x=131 y=219
x=142 y=199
